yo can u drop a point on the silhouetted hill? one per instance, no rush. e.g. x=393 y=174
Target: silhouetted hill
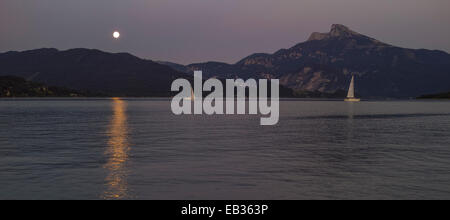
x=118 y=74
x=326 y=62
x=96 y=71
x=178 y=67
x=13 y=86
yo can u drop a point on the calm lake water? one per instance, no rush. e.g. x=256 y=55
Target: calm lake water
x=136 y=149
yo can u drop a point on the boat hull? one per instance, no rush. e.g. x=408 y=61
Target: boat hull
x=352 y=100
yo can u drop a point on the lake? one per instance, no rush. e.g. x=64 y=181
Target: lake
x=137 y=149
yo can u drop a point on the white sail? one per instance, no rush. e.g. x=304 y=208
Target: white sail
x=351 y=90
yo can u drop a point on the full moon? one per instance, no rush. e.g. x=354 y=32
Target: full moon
x=116 y=35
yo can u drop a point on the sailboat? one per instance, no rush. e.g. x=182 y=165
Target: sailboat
x=351 y=92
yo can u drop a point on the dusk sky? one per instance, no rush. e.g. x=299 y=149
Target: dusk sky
x=187 y=31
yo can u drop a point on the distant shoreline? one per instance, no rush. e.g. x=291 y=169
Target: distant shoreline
x=441 y=96
x=80 y=98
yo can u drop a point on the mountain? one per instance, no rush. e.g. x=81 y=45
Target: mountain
x=178 y=67
x=12 y=86
x=322 y=66
x=115 y=74
x=326 y=61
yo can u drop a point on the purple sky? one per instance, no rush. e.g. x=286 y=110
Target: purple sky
x=187 y=31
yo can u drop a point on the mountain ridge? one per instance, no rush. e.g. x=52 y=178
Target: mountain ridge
x=96 y=72
x=322 y=64
x=115 y=74
x=326 y=61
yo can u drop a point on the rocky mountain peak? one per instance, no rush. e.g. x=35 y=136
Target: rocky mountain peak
x=318 y=36
x=337 y=30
